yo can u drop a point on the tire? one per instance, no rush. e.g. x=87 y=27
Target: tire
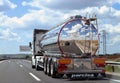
x=45 y=67
x=37 y=67
x=48 y=68
x=33 y=66
x=53 y=72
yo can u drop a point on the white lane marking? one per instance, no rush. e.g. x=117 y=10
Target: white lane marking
x=9 y=61
x=35 y=77
x=115 y=80
x=21 y=65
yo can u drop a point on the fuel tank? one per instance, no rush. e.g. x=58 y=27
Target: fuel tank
x=76 y=36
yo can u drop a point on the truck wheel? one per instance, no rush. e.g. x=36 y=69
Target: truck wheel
x=33 y=66
x=49 y=70
x=52 y=70
x=37 y=67
x=45 y=68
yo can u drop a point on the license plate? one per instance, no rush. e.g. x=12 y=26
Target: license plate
x=83 y=75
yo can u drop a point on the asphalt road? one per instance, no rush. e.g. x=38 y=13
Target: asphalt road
x=20 y=71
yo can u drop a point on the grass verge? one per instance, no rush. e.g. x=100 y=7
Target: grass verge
x=109 y=68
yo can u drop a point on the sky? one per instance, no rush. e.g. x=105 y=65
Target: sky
x=18 y=18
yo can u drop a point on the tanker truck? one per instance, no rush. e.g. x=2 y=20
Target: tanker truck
x=70 y=49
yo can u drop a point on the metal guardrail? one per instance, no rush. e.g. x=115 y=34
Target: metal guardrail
x=112 y=64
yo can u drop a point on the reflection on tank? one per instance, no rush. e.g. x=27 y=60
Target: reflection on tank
x=74 y=36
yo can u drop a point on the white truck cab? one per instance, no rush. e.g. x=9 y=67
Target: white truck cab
x=37 y=55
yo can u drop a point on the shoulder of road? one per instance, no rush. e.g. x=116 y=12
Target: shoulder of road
x=113 y=74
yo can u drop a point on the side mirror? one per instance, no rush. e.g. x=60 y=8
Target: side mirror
x=30 y=45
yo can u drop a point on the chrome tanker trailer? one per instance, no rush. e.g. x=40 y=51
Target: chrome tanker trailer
x=74 y=37
x=70 y=48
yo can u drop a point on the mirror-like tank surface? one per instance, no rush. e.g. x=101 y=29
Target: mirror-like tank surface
x=73 y=36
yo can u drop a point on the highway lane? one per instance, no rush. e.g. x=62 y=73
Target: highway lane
x=20 y=71
x=10 y=72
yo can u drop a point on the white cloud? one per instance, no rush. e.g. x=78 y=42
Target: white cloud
x=117 y=13
x=111 y=29
x=103 y=9
x=53 y=12
x=64 y=4
x=111 y=2
x=39 y=18
x=6 y=5
x=115 y=39
x=112 y=33
x=9 y=35
x=74 y=30
x=34 y=19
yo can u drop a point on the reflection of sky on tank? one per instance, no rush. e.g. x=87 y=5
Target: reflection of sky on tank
x=78 y=29
x=75 y=30
x=71 y=24
x=53 y=32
